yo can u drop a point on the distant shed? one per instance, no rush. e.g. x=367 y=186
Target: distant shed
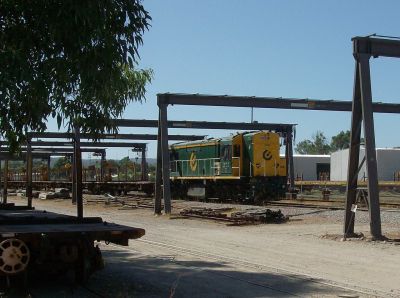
x=311 y=167
x=388 y=163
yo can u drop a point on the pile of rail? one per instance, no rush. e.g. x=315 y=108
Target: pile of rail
x=249 y=216
x=128 y=202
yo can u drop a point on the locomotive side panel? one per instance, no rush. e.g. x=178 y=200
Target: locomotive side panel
x=195 y=159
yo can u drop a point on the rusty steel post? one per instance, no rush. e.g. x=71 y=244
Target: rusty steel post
x=78 y=172
x=49 y=168
x=5 y=181
x=289 y=145
x=165 y=157
x=370 y=150
x=143 y=165
x=73 y=172
x=102 y=163
x=29 y=165
x=157 y=190
x=354 y=155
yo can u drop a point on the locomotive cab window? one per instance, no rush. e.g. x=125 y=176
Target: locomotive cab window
x=226 y=152
x=173 y=164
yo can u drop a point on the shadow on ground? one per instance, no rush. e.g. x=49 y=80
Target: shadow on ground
x=131 y=274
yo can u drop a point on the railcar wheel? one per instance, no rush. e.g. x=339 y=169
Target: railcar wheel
x=14 y=256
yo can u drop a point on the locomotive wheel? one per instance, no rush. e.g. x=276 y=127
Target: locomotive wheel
x=14 y=256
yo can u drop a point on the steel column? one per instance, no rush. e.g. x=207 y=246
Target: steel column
x=165 y=158
x=73 y=177
x=78 y=173
x=143 y=165
x=157 y=190
x=370 y=150
x=5 y=181
x=289 y=144
x=354 y=155
x=102 y=164
x=29 y=165
x=48 y=168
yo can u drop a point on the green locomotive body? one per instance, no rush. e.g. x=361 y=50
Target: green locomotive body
x=245 y=166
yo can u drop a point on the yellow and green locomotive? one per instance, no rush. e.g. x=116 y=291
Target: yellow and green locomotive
x=242 y=167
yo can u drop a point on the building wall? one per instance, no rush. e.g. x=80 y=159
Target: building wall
x=388 y=162
x=306 y=165
x=339 y=165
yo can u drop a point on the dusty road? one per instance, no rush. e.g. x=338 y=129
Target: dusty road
x=199 y=258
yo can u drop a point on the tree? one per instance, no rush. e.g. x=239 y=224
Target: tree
x=62 y=166
x=318 y=145
x=62 y=163
x=340 y=141
x=72 y=60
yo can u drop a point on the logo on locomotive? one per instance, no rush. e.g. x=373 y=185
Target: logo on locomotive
x=193 y=161
x=267 y=155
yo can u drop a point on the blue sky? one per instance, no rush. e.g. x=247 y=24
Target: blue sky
x=299 y=49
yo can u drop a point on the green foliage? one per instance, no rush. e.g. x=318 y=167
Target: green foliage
x=340 y=141
x=71 y=60
x=61 y=163
x=125 y=162
x=318 y=145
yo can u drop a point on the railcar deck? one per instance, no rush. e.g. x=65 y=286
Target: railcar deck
x=29 y=224
x=94 y=186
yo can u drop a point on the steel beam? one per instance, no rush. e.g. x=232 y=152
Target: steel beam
x=143 y=137
x=48 y=151
x=88 y=144
x=280 y=127
x=375 y=47
x=22 y=156
x=270 y=102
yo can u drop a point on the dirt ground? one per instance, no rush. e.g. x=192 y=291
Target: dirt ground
x=180 y=257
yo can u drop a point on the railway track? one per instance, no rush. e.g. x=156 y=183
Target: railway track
x=249 y=265
x=323 y=204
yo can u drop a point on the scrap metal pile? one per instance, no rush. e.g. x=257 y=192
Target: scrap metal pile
x=128 y=202
x=248 y=216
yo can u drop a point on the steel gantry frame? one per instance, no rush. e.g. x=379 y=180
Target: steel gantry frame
x=361 y=106
x=163 y=166
x=76 y=150
x=284 y=128
x=362 y=114
x=28 y=153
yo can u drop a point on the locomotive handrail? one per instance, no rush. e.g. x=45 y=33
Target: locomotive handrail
x=202 y=161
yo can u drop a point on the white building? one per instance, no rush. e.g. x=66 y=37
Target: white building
x=388 y=163
x=311 y=167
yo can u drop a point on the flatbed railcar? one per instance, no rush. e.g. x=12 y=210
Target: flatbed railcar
x=242 y=167
x=96 y=187
x=35 y=242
